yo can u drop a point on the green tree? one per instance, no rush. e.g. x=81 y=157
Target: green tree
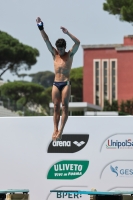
x=126 y=107
x=107 y=106
x=129 y=106
x=15 y=55
x=76 y=77
x=122 y=106
x=122 y=8
x=22 y=75
x=22 y=93
x=114 y=106
x=45 y=78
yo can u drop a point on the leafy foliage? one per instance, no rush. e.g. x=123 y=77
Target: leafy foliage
x=122 y=8
x=43 y=78
x=124 y=108
x=21 y=94
x=76 y=77
x=14 y=55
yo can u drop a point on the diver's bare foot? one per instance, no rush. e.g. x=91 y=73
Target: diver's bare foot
x=59 y=135
x=54 y=135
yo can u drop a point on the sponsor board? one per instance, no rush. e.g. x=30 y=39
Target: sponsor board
x=68 y=169
x=25 y=141
x=119 y=141
x=60 y=195
x=121 y=189
x=70 y=143
x=118 y=169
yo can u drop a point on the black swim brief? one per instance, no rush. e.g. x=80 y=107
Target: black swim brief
x=61 y=85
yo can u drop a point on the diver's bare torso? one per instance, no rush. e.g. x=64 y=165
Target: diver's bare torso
x=62 y=66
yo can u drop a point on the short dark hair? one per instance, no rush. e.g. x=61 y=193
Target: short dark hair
x=60 y=43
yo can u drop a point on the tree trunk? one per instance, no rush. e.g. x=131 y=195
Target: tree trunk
x=10 y=66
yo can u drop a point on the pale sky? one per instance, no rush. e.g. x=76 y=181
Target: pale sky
x=83 y=18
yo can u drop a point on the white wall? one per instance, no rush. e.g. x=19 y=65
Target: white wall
x=25 y=162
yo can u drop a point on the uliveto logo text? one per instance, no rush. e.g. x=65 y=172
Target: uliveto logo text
x=68 y=169
x=70 y=143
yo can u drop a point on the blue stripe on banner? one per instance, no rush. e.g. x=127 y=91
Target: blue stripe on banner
x=92 y=192
x=13 y=191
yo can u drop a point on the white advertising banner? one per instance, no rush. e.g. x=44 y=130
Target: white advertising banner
x=95 y=152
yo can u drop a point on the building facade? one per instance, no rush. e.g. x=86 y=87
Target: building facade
x=108 y=72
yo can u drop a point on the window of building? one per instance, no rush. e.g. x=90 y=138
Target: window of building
x=105 y=80
x=113 y=80
x=97 y=82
